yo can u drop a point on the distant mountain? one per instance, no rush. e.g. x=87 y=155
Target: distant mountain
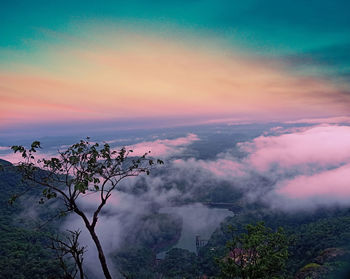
x=23 y=250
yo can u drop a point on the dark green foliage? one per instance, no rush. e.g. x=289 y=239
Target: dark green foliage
x=24 y=252
x=309 y=233
x=331 y=263
x=310 y=239
x=136 y=263
x=178 y=264
x=258 y=253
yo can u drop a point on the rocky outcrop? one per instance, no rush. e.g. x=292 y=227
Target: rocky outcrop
x=330 y=254
x=312 y=270
x=323 y=265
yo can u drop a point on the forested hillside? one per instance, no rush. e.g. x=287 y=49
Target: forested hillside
x=318 y=241
x=24 y=248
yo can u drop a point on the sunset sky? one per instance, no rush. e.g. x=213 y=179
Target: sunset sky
x=246 y=103
x=64 y=62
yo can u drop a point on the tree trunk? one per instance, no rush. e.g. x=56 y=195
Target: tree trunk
x=80 y=267
x=93 y=234
x=101 y=255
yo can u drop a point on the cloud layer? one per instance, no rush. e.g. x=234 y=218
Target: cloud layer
x=300 y=165
x=317 y=147
x=163 y=148
x=288 y=168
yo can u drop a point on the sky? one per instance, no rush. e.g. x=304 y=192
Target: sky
x=95 y=68
x=71 y=69
x=127 y=63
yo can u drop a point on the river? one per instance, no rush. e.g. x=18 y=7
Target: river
x=198 y=220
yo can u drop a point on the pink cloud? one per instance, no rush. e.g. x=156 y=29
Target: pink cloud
x=332 y=183
x=15 y=158
x=316 y=161
x=221 y=168
x=163 y=148
x=159 y=148
x=329 y=120
x=321 y=146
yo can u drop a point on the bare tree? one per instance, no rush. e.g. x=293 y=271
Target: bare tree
x=84 y=168
x=69 y=249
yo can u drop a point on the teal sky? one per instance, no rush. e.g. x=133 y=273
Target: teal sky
x=284 y=25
